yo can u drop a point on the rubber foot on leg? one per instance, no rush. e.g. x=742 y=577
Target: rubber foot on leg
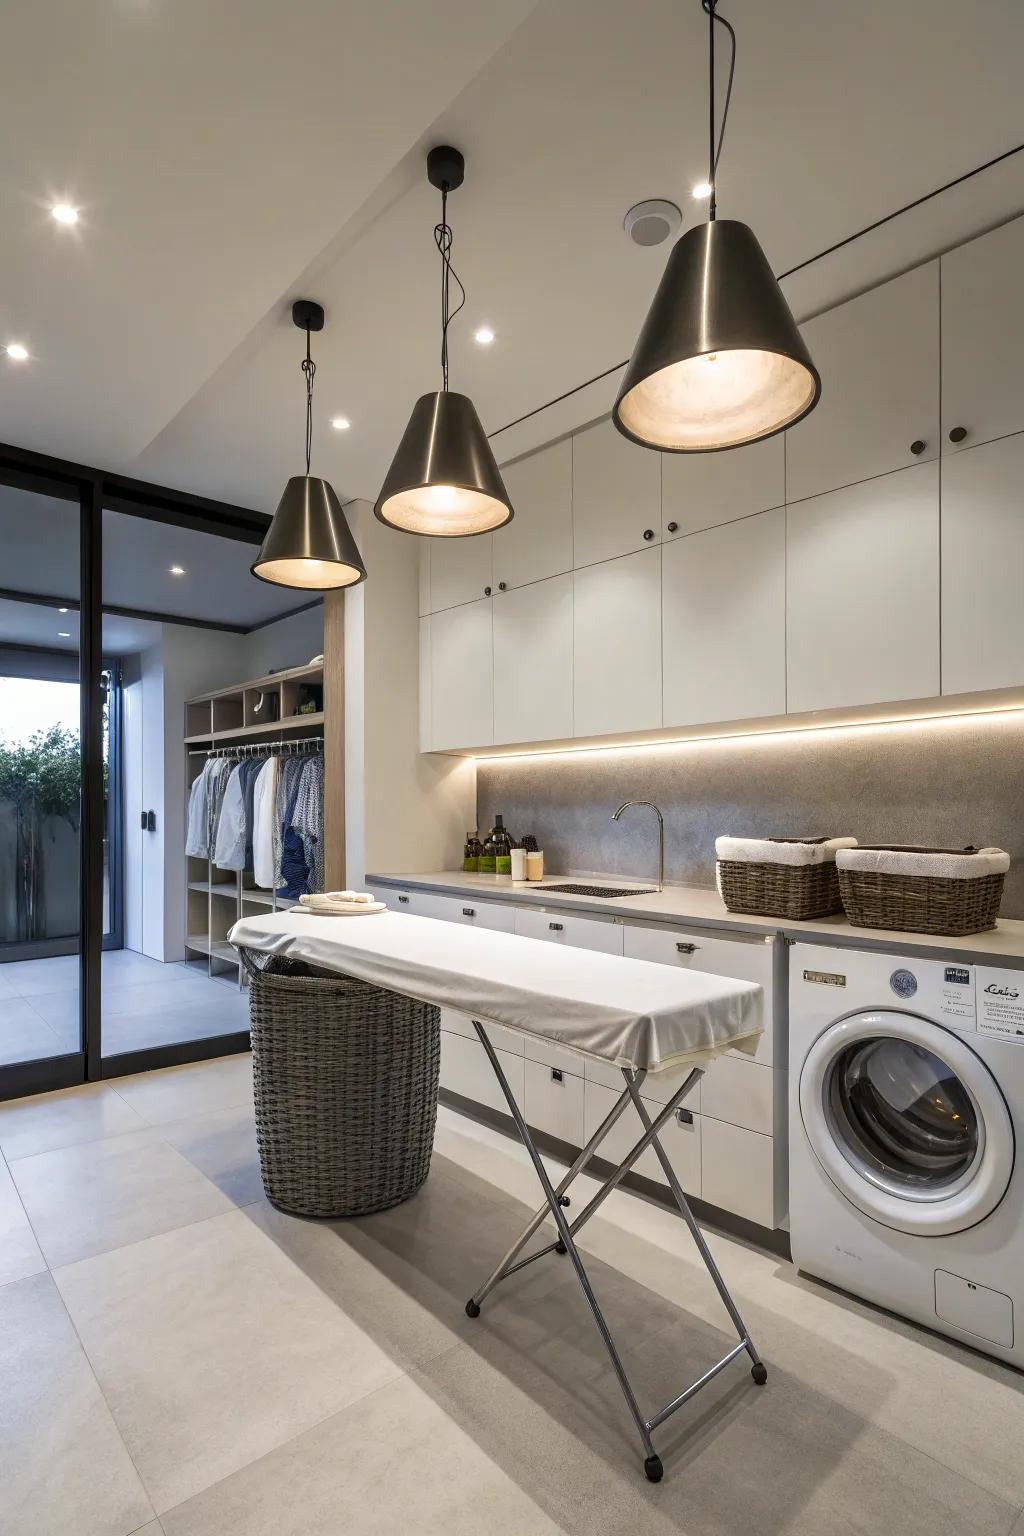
x=759 y=1373
x=472 y=1310
x=653 y=1469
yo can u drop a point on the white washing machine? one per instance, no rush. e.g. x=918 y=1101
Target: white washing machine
x=906 y=1108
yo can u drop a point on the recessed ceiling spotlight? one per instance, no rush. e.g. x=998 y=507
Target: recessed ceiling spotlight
x=702 y=189
x=176 y=570
x=63 y=634
x=62 y=610
x=652 y=221
x=483 y=336
x=16 y=352
x=64 y=213
x=340 y=423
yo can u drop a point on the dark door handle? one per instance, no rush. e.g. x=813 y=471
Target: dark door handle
x=958 y=434
x=148 y=820
x=403 y=898
x=556 y=1074
x=648 y=534
x=687 y=949
x=556 y=927
x=684 y=1116
x=673 y=527
x=502 y=585
x=918 y=446
x=469 y=911
x=487 y=591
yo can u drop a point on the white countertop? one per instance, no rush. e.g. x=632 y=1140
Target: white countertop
x=697 y=907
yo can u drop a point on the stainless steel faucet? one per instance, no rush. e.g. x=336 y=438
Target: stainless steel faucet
x=661 y=834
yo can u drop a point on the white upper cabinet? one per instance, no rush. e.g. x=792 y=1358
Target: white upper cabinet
x=983 y=567
x=538 y=541
x=616 y=495
x=426 y=726
x=702 y=490
x=617 y=645
x=724 y=601
x=460 y=570
x=878 y=357
x=533 y=661
x=982 y=326
x=863 y=593
x=461 y=677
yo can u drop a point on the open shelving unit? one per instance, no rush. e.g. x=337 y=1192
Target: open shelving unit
x=215 y=899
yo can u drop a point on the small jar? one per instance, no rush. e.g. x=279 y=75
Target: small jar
x=534 y=864
x=518 y=858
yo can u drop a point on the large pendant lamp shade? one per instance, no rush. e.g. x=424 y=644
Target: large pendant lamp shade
x=444 y=480
x=309 y=544
x=719 y=360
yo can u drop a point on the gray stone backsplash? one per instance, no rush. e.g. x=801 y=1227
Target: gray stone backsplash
x=943 y=782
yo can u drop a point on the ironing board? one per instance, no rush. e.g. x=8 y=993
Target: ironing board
x=641 y=1017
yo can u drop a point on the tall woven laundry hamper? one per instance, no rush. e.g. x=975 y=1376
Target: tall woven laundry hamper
x=345 y=1084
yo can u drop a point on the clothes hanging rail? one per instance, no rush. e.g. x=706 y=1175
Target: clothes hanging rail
x=251 y=749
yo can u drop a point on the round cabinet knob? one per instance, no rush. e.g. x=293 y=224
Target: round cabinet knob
x=487 y=591
x=673 y=528
x=502 y=586
x=918 y=446
x=648 y=534
x=958 y=434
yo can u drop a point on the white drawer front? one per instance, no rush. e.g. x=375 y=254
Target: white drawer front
x=741 y=1092
x=576 y=932
x=658 y=1088
x=501 y=1038
x=466 y=1070
x=747 y=960
x=451 y=909
x=554 y=1103
x=681 y=1142
x=737 y=1171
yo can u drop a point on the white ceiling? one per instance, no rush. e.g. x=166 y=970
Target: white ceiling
x=230 y=158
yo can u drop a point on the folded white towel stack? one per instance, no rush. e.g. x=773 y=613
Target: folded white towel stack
x=765 y=850
x=342 y=904
x=943 y=864
x=332 y=898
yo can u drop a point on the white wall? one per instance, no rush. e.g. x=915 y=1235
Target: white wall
x=290 y=642
x=404 y=810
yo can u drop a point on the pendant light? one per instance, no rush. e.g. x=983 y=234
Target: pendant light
x=309 y=543
x=444 y=479
x=719 y=361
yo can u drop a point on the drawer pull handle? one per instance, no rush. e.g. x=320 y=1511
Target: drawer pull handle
x=687 y=949
x=673 y=527
x=403 y=898
x=648 y=534
x=918 y=446
x=958 y=434
x=556 y=1074
x=684 y=1116
x=469 y=911
x=556 y=927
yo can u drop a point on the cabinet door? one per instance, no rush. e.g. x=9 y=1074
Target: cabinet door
x=460 y=570
x=576 y=932
x=982 y=561
x=461 y=677
x=617 y=645
x=533 y=662
x=724 y=622
x=738 y=1171
x=466 y=1070
x=863 y=593
x=680 y=1139
x=739 y=956
x=538 y=541
x=703 y=490
x=554 y=1101
x=982 y=324
x=426 y=729
x=878 y=357
x=616 y=495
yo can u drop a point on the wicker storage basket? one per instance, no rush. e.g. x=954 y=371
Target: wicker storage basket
x=771 y=888
x=345 y=1081
x=923 y=901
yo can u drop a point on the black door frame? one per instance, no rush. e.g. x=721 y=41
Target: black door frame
x=97 y=491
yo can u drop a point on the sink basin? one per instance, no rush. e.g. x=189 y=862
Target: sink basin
x=597 y=890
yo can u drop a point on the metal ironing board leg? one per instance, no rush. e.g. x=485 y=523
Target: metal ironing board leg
x=653 y=1467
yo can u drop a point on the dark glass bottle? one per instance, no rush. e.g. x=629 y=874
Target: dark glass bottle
x=471 y=854
x=502 y=849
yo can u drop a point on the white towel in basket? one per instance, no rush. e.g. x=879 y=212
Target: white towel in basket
x=762 y=850
x=938 y=866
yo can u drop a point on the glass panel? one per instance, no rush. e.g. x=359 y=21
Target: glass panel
x=185 y=627
x=902 y=1115
x=40 y=778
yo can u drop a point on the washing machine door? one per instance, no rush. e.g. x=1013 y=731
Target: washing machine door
x=907 y=1121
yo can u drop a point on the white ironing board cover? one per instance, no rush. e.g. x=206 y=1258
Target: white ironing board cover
x=630 y=1012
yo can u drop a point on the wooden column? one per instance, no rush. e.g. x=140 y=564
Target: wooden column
x=334 y=740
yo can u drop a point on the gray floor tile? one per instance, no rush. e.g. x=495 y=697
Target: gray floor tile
x=86 y=1199
x=65 y=1468
x=24 y=1035
x=223 y=1147
x=178 y=1092
x=57 y=973
x=62 y=1119
x=213 y=1349
x=19 y=1251
x=395 y=1461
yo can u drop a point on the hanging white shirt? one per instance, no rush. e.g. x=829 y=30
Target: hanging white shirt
x=264 y=819
x=231 y=824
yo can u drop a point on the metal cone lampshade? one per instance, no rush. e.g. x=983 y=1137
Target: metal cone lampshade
x=444 y=480
x=309 y=543
x=719 y=361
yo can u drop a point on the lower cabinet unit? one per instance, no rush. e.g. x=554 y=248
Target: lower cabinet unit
x=465 y=1070
x=576 y=932
x=554 y=1101
x=681 y=1140
x=738 y=1171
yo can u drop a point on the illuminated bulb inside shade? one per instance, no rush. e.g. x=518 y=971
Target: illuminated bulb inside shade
x=444 y=510
x=16 y=352
x=64 y=213
x=702 y=189
x=310 y=575
x=748 y=395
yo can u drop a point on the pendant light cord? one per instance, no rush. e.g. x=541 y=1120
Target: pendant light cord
x=710 y=7
x=309 y=373
x=443 y=241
